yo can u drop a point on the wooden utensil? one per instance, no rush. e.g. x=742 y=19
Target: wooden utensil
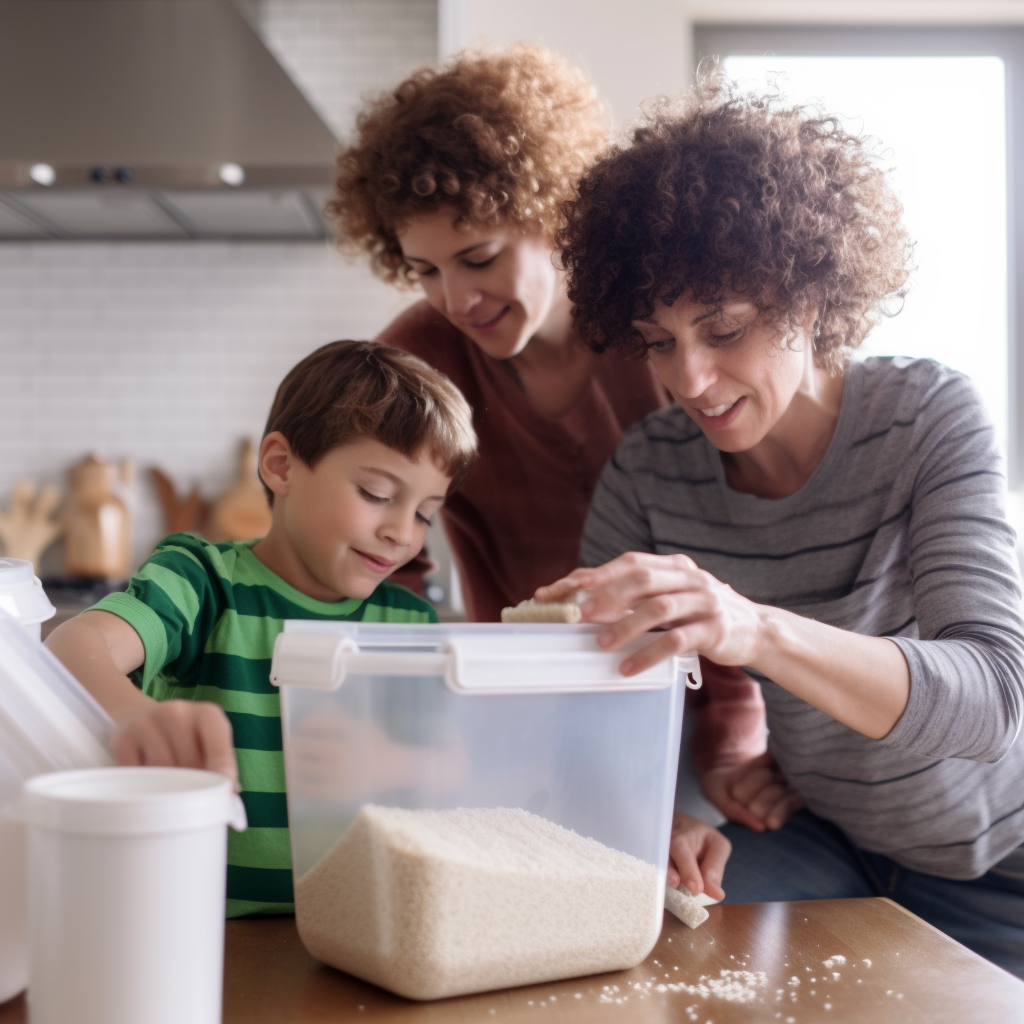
x=31 y=524
x=242 y=511
x=185 y=514
x=97 y=542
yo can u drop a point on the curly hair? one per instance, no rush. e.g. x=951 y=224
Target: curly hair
x=501 y=137
x=736 y=193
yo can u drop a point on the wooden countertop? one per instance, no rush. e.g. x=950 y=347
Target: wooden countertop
x=896 y=969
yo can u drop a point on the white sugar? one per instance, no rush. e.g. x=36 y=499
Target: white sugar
x=431 y=904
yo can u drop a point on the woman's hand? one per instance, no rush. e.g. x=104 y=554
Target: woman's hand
x=638 y=592
x=754 y=793
x=177 y=734
x=861 y=681
x=697 y=856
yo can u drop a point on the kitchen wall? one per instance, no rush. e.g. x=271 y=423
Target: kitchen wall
x=168 y=354
x=645 y=47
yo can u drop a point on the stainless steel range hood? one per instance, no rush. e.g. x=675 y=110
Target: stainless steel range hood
x=152 y=119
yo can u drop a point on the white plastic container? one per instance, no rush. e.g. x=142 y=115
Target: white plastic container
x=22 y=596
x=476 y=806
x=126 y=894
x=48 y=723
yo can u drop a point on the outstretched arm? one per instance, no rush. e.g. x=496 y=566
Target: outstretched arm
x=100 y=649
x=861 y=681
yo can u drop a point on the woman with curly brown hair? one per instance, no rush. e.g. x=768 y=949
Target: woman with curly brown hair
x=454 y=182
x=835 y=526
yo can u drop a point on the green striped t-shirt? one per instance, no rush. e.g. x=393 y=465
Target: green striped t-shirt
x=208 y=615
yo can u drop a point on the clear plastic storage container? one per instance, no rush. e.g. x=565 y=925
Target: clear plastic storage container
x=476 y=806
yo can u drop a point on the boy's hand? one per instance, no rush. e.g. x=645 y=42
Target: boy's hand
x=177 y=734
x=754 y=793
x=697 y=856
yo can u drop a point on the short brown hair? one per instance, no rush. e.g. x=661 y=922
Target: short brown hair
x=350 y=390
x=733 y=192
x=499 y=136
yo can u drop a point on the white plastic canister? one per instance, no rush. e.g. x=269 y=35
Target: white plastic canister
x=126 y=887
x=22 y=595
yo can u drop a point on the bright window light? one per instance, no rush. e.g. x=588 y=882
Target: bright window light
x=941 y=125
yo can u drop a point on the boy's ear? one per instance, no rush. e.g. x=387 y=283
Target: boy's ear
x=275 y=462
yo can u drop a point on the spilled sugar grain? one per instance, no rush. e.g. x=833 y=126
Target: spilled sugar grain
x=728 y=986
x=430 y=904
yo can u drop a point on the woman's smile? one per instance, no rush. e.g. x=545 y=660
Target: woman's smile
x=719 y=416
x=489 y=325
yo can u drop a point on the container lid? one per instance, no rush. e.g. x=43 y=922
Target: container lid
x=131 y=801
x=48 y=721
x=474 y=658
x=21 y=594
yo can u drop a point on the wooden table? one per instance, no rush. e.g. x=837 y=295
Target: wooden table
x=896 y=969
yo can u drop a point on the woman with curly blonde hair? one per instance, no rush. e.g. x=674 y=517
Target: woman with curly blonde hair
x=834 y=525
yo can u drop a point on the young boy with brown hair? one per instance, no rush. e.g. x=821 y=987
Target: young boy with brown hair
x=362 y=445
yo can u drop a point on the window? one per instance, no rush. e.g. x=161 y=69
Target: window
x=941 y=104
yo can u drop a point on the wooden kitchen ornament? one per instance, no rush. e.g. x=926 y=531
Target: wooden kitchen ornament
x=31 y=523
x=97 y=542
x=239 y=513
x=242 y=511
x=181 y=515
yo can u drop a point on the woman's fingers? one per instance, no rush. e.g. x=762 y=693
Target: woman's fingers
x=655 y=587
x=765 y=800
x=637 y=593
x=617 y=585
x=698 y=854
x=567 y=586
x=784 y=810
x=683 y=867
x=681 y=640
x=751 y=777
x=715 y=785
x=760 y=788
x=712 y=865
x=687 y=604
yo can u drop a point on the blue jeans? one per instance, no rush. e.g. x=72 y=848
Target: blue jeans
x=811 y=859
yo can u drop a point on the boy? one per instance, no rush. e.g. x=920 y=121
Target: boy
x=362 y=445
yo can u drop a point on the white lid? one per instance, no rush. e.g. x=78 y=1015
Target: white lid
x=473 y=658
x=131 y=801
x=21 y=594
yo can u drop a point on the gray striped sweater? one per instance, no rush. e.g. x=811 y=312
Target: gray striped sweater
x=900 y=532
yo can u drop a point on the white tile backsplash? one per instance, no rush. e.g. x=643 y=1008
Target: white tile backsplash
x=169 y=353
